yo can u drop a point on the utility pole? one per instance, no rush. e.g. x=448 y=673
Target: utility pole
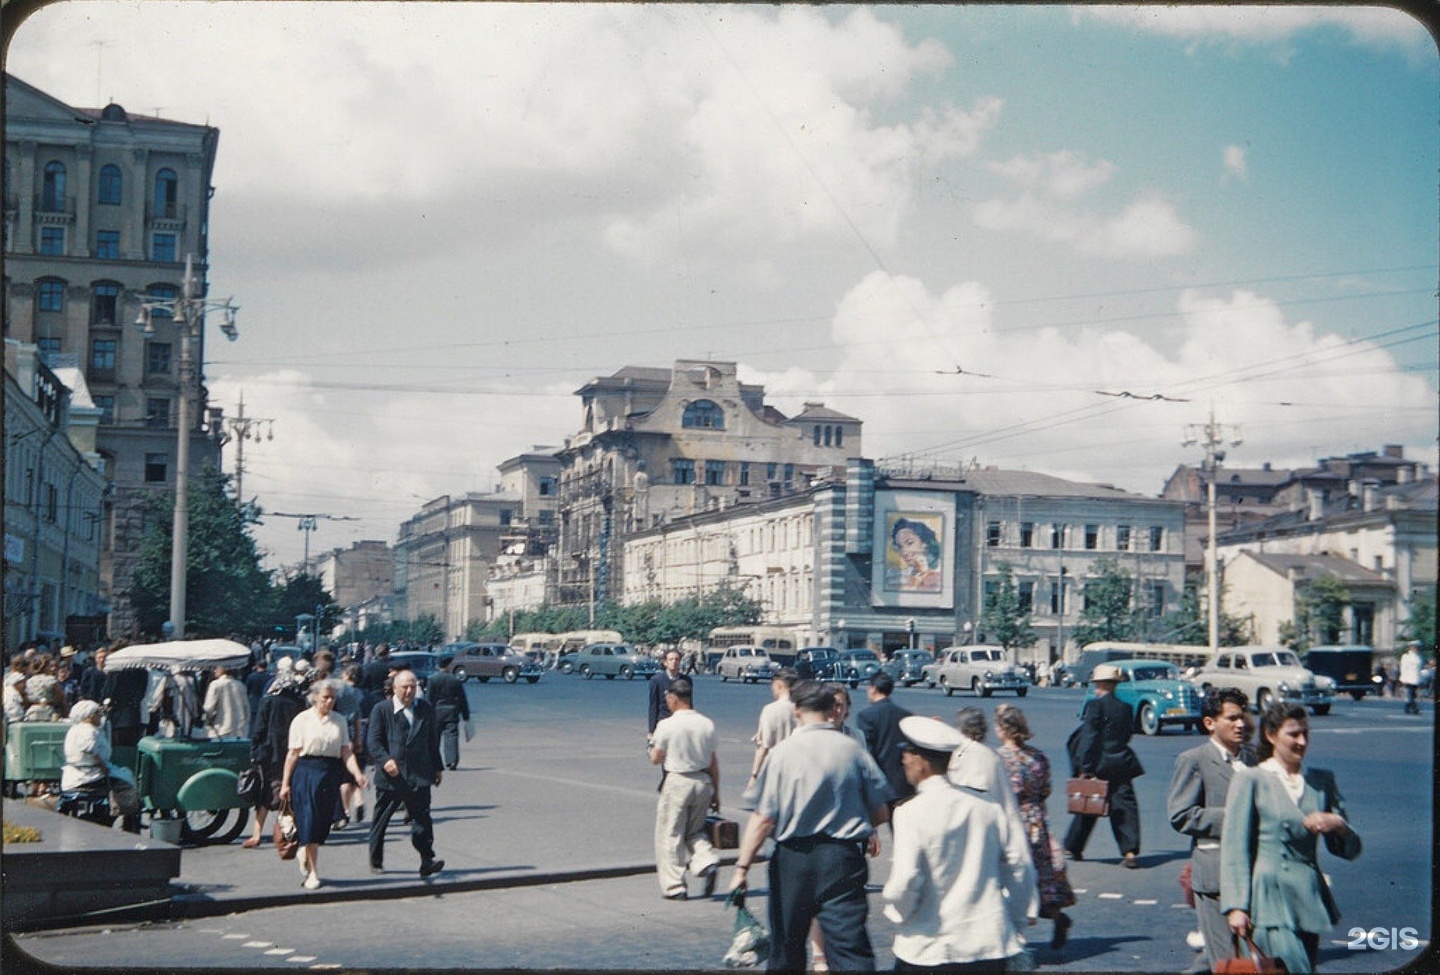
x=307 y=524
x=1211 y=436
x=240 y=429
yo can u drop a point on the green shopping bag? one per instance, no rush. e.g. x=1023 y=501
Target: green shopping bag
x=750 y=944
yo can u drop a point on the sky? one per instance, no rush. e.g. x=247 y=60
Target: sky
x=1037 y=237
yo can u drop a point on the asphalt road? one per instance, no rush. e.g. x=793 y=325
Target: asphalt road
x=589 y=736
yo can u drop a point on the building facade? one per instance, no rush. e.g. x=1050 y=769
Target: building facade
x=355 y=576
x=101 y=209
x=660 y=444
x=54 y=500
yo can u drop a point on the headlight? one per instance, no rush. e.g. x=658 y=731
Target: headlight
x=1169 y=696
x=1284 y=686
x=988 y=675
x=1325 y=683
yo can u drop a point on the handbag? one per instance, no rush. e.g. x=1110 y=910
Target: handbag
x=1088 y=797
x=287 y=834
x=250 y=785
x=1253 y=964
x=724 y=833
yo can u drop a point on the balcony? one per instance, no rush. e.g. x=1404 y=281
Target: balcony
x=51 y=209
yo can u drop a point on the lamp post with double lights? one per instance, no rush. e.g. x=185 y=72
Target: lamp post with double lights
x=188 y=312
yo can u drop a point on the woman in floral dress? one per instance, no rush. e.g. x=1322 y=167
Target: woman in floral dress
x=1029 y=771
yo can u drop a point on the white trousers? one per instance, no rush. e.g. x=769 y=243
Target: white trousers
x=680 y=840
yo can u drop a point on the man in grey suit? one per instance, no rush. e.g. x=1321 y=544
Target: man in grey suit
x=1196 y=807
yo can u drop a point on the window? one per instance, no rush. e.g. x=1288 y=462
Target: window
x=52 y=241
x=48 y=344
x=156 y=468
x=829 y=435
x=107 y=245
x=1157 y=538
x=547 y=486
x=52 y=503
x=1122 y=537
x=106 y=405
x=52 y=188
x=102 y=359
x=166 y=193
x=770 y=471
x=505 y=517
x=714 y=472
x=1027 y=534
x=1057 y=536
x=50 y=295
x=1027 y=596
x=162 y=292
x=1092 y=537
x=839 y=436
x=110 y=185
x=744 y=473
x=683 y=470
x=817 y=435
x=1057 y=596
x=162 y=248
x=157 y=412
x=157 y=357
x=992 y=534
x=992 y=592
x=789 y=473
x=704 y=415
x=1157 y=598
x=105 y=309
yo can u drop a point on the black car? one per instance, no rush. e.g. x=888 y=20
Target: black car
x=1352 y=667
x=816 y=663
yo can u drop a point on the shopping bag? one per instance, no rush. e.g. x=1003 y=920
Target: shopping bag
x=1088 y=797
x=250 y=785
x=1251 y=963
x=749 y=943
x=287 y=834
x=724 y=834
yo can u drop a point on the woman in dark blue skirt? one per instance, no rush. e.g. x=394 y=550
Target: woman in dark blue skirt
x=315 y=766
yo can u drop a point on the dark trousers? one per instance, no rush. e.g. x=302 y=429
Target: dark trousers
x=1412 y=703
x=422 y=830
x=989 y=966
x=819 y=878
x=1124 y=821
x=449 y=721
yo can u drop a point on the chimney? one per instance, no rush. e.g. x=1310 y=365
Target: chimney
x=1404 y=474
x=1394 y=450
x=1370 y=491
x=1316 y=500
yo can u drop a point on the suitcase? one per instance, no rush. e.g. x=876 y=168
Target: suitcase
x=724 y=833
x=1088 y=797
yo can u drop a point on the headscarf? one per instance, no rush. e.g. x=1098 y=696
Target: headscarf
x=287 y=680
x=83 y=710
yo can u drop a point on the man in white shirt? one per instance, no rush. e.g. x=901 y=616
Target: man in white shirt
x=1411 y=663
x=777 y=719
x=227 y=707
x=684 y=745
x=961 y=883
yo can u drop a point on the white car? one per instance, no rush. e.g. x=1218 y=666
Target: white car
x=1267 y=675
x=981 y=670
x=749 y=664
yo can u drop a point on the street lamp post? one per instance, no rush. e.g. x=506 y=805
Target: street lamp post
x=1212 y=437
x=188 y=312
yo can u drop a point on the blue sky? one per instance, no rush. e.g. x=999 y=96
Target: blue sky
x=432 y=213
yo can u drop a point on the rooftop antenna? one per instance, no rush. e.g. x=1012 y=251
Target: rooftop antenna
x=99 y=54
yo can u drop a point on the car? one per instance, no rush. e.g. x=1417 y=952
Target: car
x=424 y=663
x=1157 y=694
x=748 y=664
x=486 y=660
x=814 y=663
x=1267 y=675
x=854 y=666
x=609 y=660
x=1351 y=667
x=981 y=670
x=907 y=667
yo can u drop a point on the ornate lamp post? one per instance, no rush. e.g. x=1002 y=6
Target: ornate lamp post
x=188 y=311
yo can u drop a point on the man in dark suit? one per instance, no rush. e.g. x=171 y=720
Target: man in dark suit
x=404 y=743
x=1101 y=749
x=880 y=724
x=447 y=695
x=377 y=671
x=1196 y=806
x=658 y=709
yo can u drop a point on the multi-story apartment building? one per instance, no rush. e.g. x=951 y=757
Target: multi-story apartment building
x=521 y=577
x=355 y=576
x=54 y=491
x=102 y=207
x=661 y=444
x=889 y=556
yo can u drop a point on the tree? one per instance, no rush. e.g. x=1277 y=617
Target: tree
x=226 y=591
x=303 y=593
x=1109 y=613
x=1319 y=614
x=1421 y=624
x=426 y=629
x=1003 y=619
x=1190 y=625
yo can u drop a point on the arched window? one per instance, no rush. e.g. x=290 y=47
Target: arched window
x=167 y=191
x=52 y=189
x=829 y=435
x=110 y=184
x=815 y=435
x=703 y=414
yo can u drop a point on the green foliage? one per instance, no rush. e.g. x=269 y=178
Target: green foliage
x=1109 y=612
x=426 y=629
x=1421 y=624
x=303 y=593
x=1319 y=614
x=1189 y=625
x=1002 y=620
x=226 y=590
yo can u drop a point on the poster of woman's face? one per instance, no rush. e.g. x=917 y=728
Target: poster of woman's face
x=913 y=561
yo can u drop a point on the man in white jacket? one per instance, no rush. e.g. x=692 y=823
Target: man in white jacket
x=227 y=707
x=962 y=883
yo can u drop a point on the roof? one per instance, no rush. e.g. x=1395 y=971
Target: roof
x=997 y=482
x=1315 y=566
x=818 y=411
x=1419 y=496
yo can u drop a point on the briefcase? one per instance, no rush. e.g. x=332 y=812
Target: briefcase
x=724 y=833
x=1253 y=963
x=1088 y=797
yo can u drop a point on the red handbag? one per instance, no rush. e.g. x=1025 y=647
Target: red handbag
x=1253 y=964
x=1088 y=797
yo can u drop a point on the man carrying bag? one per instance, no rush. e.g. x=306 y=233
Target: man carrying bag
x=1101 y=750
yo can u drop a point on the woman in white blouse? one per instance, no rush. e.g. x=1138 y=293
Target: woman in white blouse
x=315 y=766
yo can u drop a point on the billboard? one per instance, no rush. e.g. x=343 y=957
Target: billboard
x=914 y=546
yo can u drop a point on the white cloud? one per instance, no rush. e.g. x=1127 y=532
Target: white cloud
x=1145 y=228
x=1376 y=26
x=1237 y=161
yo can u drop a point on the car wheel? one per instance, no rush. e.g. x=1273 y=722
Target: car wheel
x=1149 y=720
x=533 y=680
x=1356 y=695
x=484 y=679
x=510 y=675
x=1320 y=709
x=724 y=678
x=949 y=691
x=1263 y=699
x=460 y=673
x=609 y=676
x=1021 y=691
x=627 y=673
x=975 y=686
x=586 y=672
x=566 y=667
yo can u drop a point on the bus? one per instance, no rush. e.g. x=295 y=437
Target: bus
x=781 y=643
x=1181 y=655
x=547 y=647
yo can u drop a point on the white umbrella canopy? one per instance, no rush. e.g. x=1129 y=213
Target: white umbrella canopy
x=181 y=654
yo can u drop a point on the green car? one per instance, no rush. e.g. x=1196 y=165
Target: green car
x=610 y=660
x=1157 y=695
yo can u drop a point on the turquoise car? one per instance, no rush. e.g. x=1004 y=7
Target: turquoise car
x=1157 y=695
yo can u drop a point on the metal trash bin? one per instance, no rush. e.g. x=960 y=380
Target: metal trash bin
x=35 y=751
x=190 y=774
